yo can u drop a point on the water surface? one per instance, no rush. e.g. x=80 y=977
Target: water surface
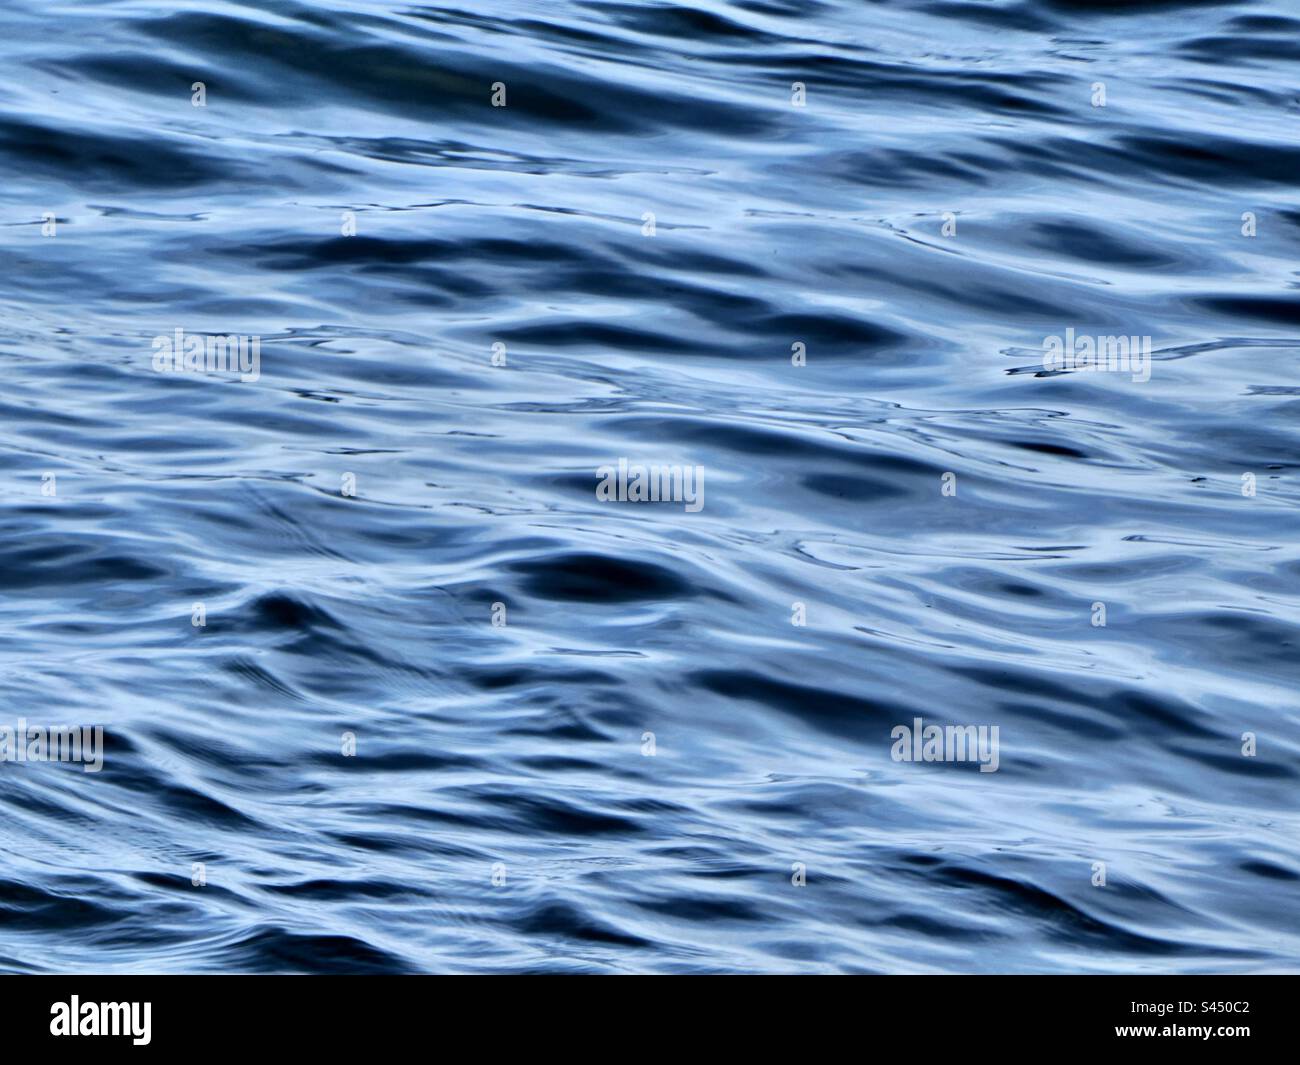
x=949 y=194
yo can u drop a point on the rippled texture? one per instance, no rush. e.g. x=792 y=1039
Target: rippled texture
x=775 y=225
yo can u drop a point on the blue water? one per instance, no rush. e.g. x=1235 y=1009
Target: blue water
x=950 y=193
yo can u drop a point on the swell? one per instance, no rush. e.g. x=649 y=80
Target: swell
x=446 y=708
